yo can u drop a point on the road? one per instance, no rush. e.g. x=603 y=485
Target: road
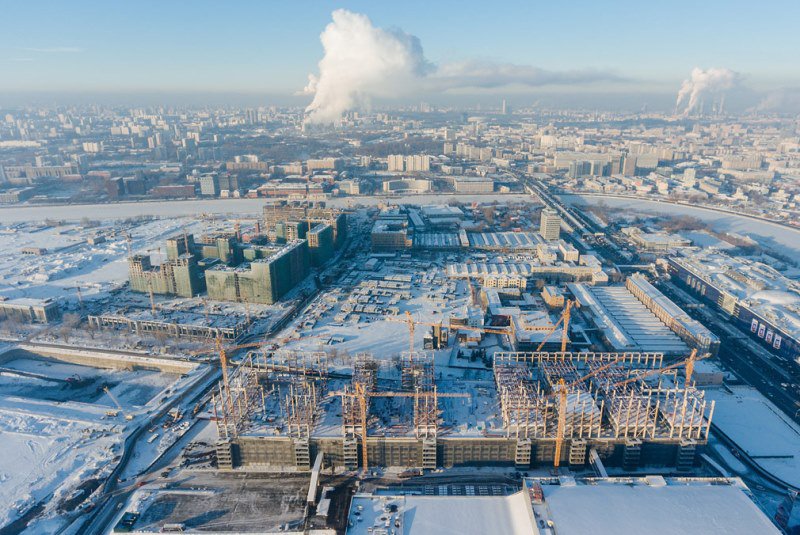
x=107 y=512
x=749 y=361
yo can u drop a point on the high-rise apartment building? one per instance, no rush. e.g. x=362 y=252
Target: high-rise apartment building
x=550 y=224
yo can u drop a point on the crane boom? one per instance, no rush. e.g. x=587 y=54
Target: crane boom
x=116 y=402
x=564 y=319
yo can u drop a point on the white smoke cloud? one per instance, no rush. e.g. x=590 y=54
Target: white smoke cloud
x=703 y=83
x=783 y=100
x=363 y=62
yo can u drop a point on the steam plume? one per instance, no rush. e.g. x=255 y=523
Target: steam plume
x=702 y=83
x=363 y=62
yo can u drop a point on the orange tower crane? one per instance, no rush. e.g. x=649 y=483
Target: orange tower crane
x=563 y=320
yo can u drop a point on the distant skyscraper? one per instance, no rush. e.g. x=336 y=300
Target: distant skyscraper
x=550 y=224
x=504 y=110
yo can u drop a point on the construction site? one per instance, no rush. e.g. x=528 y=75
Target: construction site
x=278 y=411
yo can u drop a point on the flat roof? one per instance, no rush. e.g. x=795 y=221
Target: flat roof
x=654 y=506
x=443 y=515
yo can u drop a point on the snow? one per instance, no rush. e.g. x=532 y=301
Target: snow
x=43 y=456
x=612 y=508
x=70 y=261
x=773 y=236
x=239 y=207
x=56 y=435
x=443 y=515
x=776 y=444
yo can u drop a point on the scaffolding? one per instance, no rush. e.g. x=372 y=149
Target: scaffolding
x=417 y=371
x=631 y=396
x=235 y=399
x=365 y=371
x=523 y=407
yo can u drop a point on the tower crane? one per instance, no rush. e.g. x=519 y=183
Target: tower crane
x=362 y=396
x=563 y=320
x=412 y=323
x=563 y=388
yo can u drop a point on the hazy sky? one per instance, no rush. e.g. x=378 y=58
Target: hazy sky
x=270 y=47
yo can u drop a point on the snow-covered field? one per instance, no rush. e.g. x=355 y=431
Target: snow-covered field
x=70 y=261
x=57 y=438
x=760 y=429
x=43 y=455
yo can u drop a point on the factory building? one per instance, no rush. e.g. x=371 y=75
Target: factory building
x=624 y=322
x=690 y=331
x=758 y=299
x=565 y=505
x=263 y=280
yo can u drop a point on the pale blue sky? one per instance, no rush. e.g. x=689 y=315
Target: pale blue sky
x=270 y=47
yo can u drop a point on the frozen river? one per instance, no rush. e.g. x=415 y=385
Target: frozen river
x=237 y=207
x=774 y=236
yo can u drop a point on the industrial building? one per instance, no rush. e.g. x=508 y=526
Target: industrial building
x=263 y=280
x=186 y=325
x=27 y=310
x=650 y=504
x=691 y=331
x=655 y=242
x=624 y=322
x=591 y=272
x=625 y=409
x=564 y=505
x=759 y=300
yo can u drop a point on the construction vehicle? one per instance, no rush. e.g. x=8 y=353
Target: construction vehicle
x=119 y=410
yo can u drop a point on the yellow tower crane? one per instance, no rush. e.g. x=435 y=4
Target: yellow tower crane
x=362 y=396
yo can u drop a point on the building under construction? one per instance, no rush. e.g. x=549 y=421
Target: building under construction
x=264 y=280
x=541 y=409
x=278 y=213
x=179 y=276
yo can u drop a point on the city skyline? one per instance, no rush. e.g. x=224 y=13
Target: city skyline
x=586 y=54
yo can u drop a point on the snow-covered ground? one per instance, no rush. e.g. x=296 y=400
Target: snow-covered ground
x=772 y=236
x=56 y=433
x=757 y=426
x=239 y=207
x=70 y=261
x=45 y=455
x=429 y=297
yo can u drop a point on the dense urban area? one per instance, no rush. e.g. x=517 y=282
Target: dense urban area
x=507 y=320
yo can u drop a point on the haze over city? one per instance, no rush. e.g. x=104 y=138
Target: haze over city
x=399 y=268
